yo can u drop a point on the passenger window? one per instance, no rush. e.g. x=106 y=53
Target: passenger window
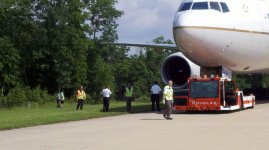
x=185 y=6
x=200 y=5
x=224 y=7
x=215 y=6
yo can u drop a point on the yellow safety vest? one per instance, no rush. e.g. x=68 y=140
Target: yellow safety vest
x=128 y=92
x=81 y=95
x=168 y=93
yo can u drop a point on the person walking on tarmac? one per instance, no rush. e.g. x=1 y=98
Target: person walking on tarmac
x=81 y=97
x=168 y=98
x=128 y=96
x=106 y=95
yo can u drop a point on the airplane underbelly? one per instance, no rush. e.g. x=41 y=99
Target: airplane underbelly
x=237 y=50
x=228 y=47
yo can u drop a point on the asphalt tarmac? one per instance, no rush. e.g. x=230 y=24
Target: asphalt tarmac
x=240 y=130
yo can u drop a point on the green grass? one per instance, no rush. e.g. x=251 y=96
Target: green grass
x=48 y=114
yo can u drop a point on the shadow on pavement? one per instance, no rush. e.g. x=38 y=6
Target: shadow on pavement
x=206 y=112
x=135 y=109
x=150 y=119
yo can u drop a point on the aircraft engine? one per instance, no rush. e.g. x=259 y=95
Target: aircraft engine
x=178 y=68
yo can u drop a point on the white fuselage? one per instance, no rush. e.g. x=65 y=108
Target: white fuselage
x=237 y=38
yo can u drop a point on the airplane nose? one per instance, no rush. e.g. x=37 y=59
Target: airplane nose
x=188 y=30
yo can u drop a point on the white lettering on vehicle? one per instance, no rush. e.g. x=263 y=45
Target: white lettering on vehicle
x=204 y=103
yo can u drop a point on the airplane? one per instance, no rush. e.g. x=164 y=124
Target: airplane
x=229 y=33
x=233 y=34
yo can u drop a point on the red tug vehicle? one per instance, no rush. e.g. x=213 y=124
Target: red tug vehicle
x=212 y=94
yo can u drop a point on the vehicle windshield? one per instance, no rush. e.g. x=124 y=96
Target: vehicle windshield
x=208 y=89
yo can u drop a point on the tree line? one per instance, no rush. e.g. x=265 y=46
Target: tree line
x=48 y=44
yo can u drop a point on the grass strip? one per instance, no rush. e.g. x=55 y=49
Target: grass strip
x=19 y=117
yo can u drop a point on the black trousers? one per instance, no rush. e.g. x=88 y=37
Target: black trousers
x=155 y=99
x=105 y=104
x=80 y=104
x=58 y=103
x=129 y=103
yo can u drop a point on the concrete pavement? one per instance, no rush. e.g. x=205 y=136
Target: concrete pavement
x=243 y=130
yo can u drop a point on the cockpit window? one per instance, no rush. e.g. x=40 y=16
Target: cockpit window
x=200 y=5
x=218 y=6
x=215 y=6
x=185 y=6
x=224 y=7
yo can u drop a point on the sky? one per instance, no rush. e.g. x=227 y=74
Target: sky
x=145 y=20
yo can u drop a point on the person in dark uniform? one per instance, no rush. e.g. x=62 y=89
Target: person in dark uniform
x=155 y=96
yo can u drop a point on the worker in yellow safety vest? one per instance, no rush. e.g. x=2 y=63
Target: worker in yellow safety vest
x=168 y=99
x=128 y=96
x=81 y=97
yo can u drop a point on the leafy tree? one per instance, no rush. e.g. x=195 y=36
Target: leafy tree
x=102 y=76
x=102 y=18
x=42 y=47
x=139 y=76
x=63 y=51
x=16 y=97
x=9 y=65
x=265 y=81
x=242 y=81
x=16 y=23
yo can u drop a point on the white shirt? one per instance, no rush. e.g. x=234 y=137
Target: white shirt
x=155 y=89
x=106 y=92
x=60 y=96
